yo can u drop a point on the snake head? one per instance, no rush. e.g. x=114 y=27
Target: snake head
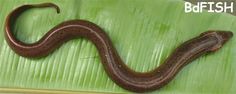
x=222 y=37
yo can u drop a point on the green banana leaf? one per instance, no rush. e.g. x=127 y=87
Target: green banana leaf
x=144 y=32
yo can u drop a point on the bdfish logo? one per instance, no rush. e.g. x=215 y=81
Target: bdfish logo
x=217 y=7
